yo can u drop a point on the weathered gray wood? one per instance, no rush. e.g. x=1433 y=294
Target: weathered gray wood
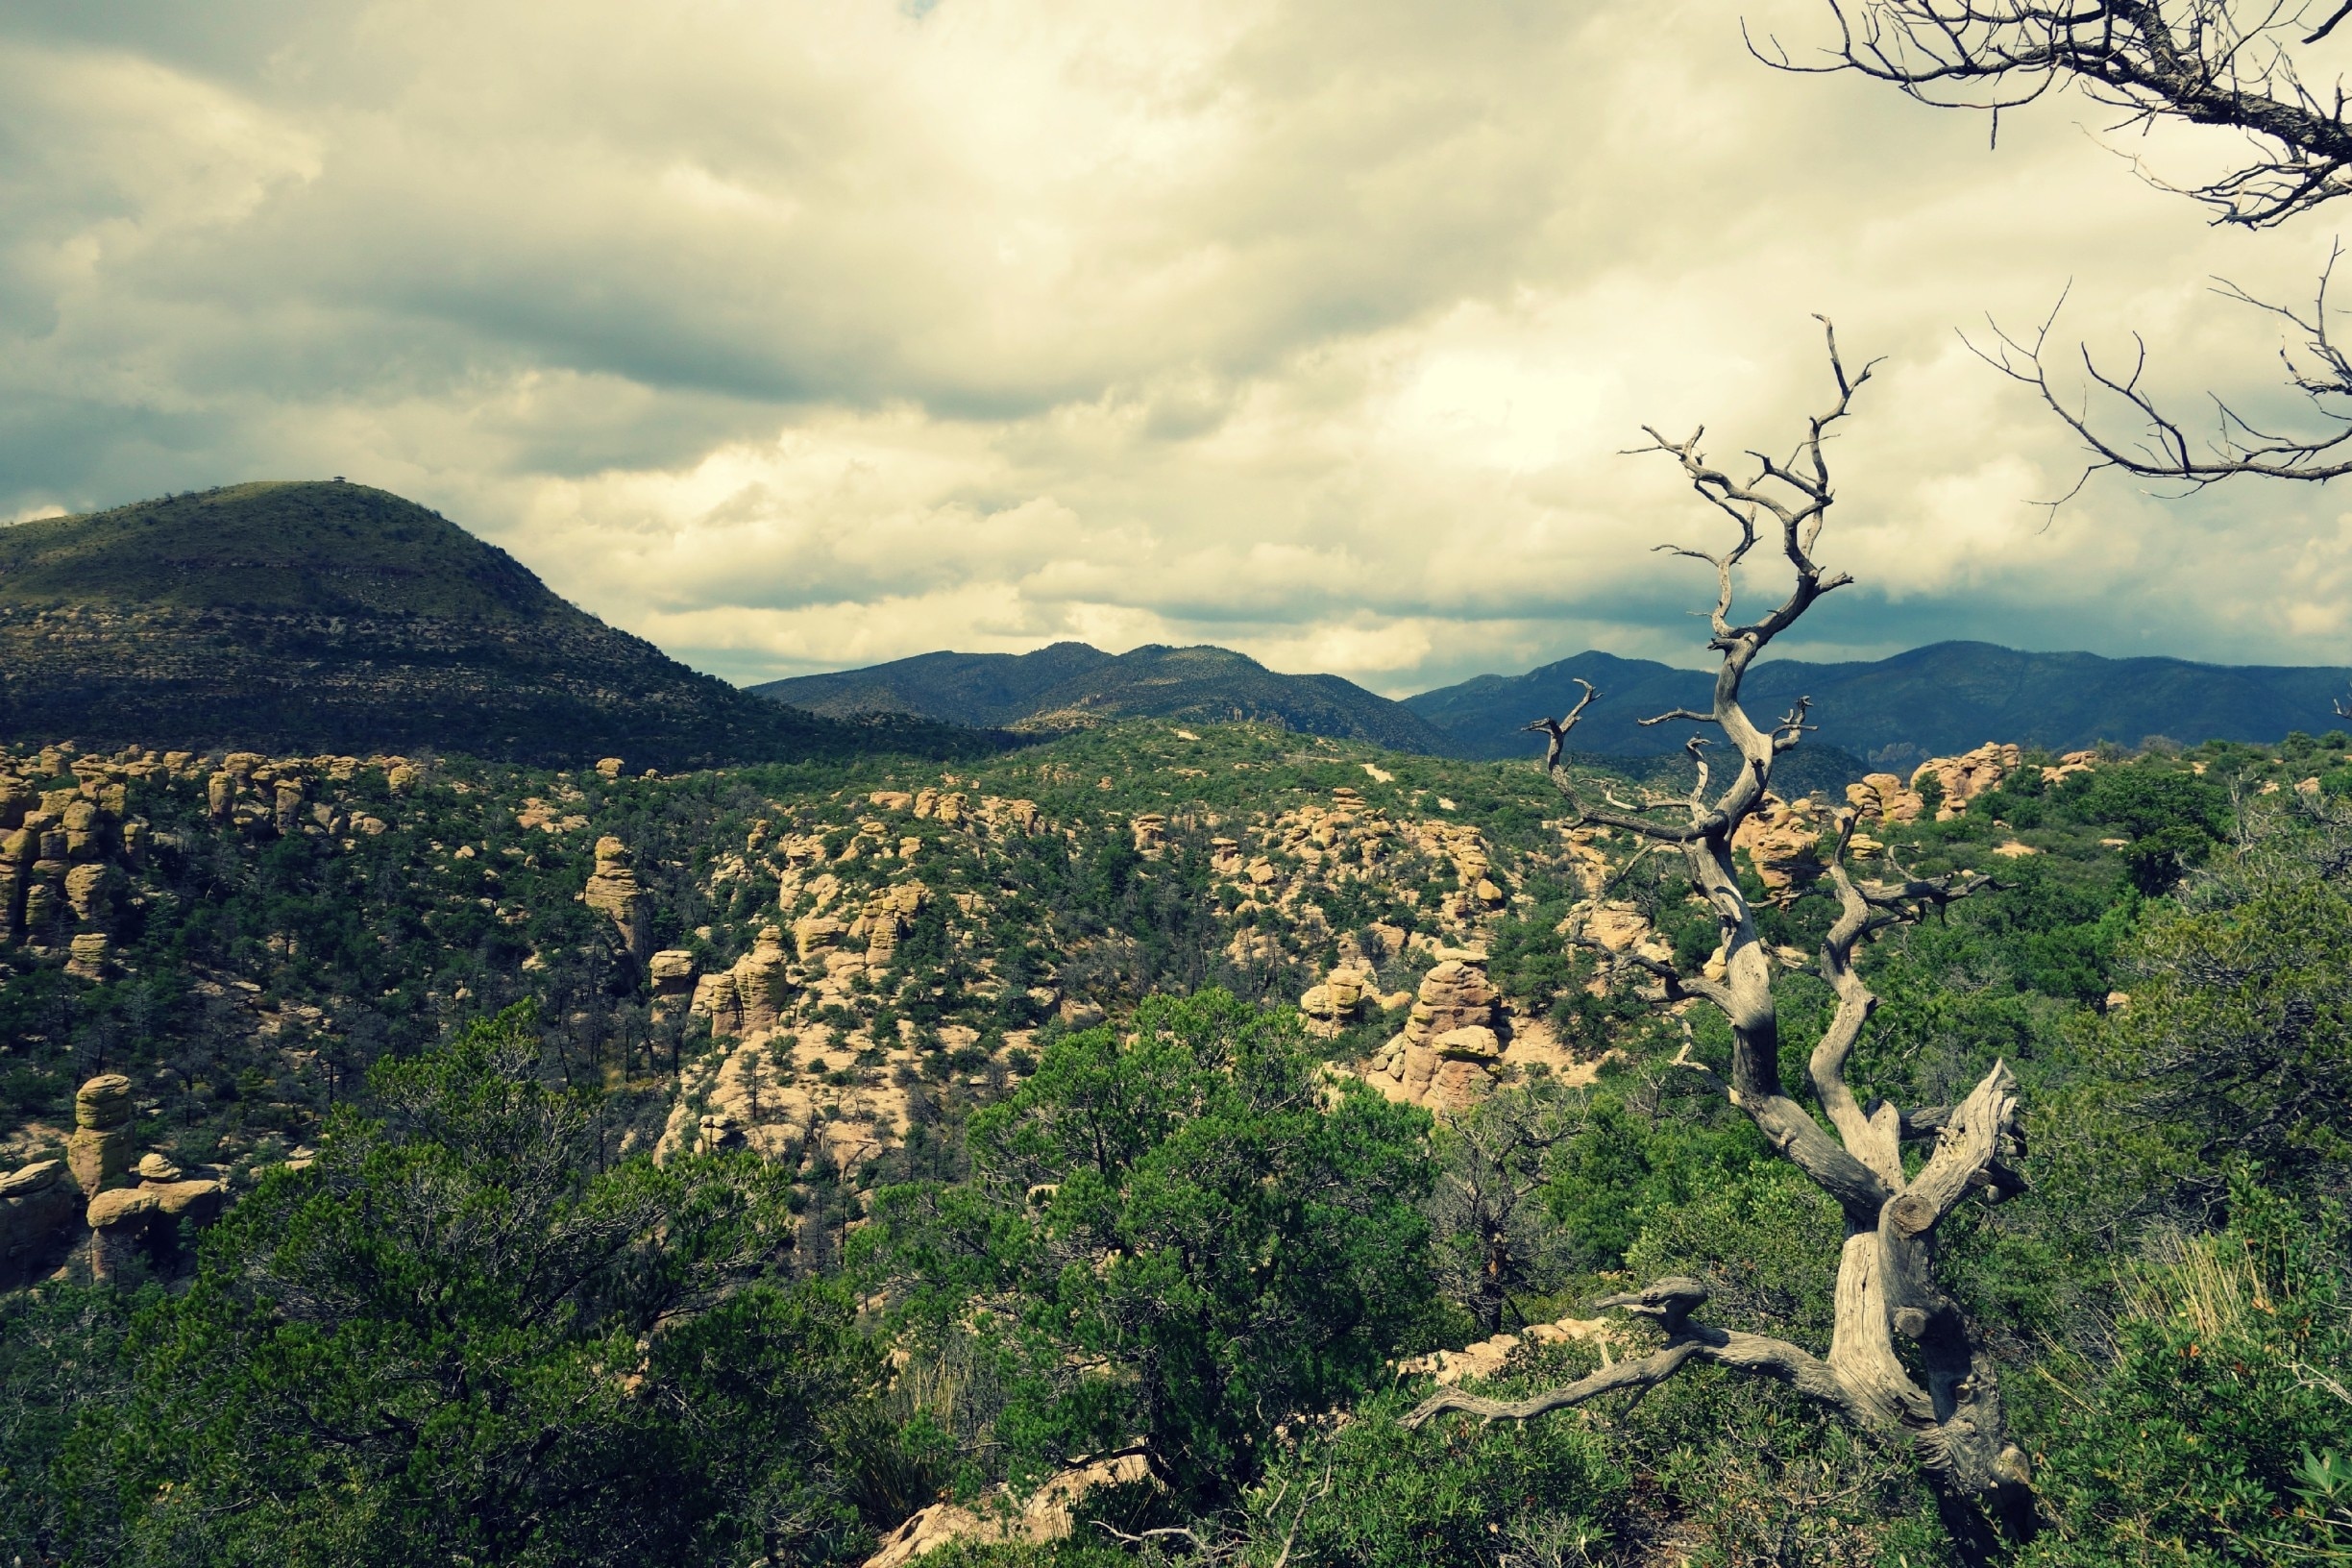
x=1951 y=1413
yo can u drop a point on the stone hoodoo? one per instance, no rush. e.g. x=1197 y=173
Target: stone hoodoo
x=613 y=890
x=1450 y=1050
x=761 y=983
x=99 y=1152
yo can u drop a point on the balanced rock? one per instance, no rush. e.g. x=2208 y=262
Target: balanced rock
x=1451 y=1044
x=99 y=1151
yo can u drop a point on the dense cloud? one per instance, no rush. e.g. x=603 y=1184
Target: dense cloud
x=802 y=336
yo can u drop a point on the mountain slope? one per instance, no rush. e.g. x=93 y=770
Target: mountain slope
x=333 y=617
x=1932 y=701
x=953 y=688
x=1072 y=685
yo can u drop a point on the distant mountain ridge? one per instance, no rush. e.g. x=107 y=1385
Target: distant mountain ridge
x=1929 y=702
x=1072 y=685
x=334 y=617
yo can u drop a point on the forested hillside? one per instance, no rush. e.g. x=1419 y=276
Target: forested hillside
x=1017 y=1157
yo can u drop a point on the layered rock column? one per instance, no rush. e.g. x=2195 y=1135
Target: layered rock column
x=99 y=1151
x=1451 y=1048
x=612 y=890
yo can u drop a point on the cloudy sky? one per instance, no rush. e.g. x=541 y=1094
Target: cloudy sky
x=808 y=334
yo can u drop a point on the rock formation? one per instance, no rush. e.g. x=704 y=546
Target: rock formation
x=1882 y=798
x=761 y=983
x=128 y=1220
x=673 y=974
x=38 y=1206
x=889 y=915
x=1968 y=775
x=99 y=1151
x=1048 y=1516
x=1339 y=1000
x=1782 y=841
x=612 y=890
x=1448 y=1050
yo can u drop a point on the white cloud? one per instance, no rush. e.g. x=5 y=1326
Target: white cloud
x=798 y=337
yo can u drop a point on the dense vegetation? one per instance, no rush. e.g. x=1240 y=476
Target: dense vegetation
x=480 y=1326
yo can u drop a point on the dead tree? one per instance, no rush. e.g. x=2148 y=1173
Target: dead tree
x=2228 y=63
x=1903 y=1360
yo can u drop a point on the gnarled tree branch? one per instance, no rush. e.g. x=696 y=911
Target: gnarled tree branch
x=1951 y=1408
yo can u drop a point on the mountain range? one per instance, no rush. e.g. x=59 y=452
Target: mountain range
x=1893 y=712
x=325 y=615
x=1072 y=685
x=334 y=617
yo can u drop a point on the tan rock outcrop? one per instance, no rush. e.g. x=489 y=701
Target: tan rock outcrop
x=99 y=1151
x=40 y=1205
x=714 y=998
x=889 y=915
x=612 y=890
x=87 y=956
x=1049 y=1515
x=761 y=982
x=672 y=970
x=1782 y=841
x=1339 y=1000
x=1150 y=831
x=1968 y=775
x=128 y=1220
x=1882 y=798
x=1451 y=1045
x=814 y=933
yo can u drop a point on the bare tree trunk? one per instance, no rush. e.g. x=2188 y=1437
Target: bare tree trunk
x=1951 y=1410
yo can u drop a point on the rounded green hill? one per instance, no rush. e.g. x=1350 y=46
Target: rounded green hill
x=326 y=617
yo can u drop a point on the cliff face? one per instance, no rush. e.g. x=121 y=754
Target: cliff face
x=337 y=617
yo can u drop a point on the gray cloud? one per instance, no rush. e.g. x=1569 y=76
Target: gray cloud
x=795 y=338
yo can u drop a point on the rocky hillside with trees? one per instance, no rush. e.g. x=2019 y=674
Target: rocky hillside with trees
x=796 y=1082
x=310 y=616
